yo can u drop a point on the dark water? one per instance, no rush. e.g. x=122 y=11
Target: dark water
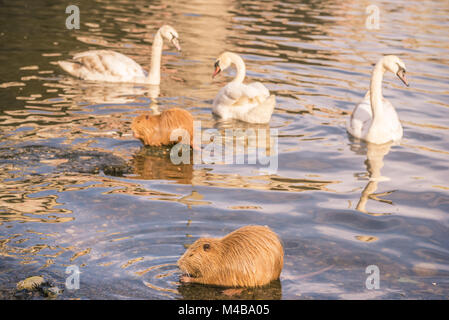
x=61 y=204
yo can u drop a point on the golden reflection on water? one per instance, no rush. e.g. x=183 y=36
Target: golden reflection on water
x=17 y=205
x=9 y=247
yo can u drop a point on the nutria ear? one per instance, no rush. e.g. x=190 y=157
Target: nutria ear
x=206 y=247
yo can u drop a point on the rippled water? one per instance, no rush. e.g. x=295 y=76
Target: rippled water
x=60 y=205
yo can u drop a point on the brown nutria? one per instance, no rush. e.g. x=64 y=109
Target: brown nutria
x=155 y=130
x=251 y=256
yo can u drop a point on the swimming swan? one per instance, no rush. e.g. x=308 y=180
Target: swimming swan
x=110 y=66
x=375 y=120
x=250 y=103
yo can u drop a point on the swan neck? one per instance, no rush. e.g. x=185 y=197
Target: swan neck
x=154 y=76
x=241 y=69
x=376 y=90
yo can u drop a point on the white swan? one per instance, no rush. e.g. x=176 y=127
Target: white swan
x=375 y=119
x=250 y=103
x=110 y=66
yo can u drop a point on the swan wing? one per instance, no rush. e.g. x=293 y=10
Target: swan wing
x=393 y=123
x=257 y=89
x=228 y=95
x=262 y=113
x=388 y=127
x=104 y=65
x=237 y=95
x=360 y=120
x=249 y=103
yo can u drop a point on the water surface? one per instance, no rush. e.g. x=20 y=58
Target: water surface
x=339 y=205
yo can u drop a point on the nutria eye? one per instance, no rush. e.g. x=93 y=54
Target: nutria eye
x=206 y=247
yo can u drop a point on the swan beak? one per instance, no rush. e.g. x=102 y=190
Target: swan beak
x=401 y=75
x=217 y=69
x=175 y=43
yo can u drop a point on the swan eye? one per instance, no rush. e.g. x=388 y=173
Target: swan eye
x=400 y=69
x=217 y=64
x=172 y=36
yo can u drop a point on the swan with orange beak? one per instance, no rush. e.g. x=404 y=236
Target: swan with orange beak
x=245 y=102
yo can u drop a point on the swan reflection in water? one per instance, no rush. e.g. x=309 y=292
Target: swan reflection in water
x=82 y=92
x=375 y=154
x=113 y=104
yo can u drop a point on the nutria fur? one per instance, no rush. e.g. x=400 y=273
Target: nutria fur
x=155 y=130
x=251 y=256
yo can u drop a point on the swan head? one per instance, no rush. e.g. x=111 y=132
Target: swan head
x=222 y=63
x=169 y=33
x=395 y=65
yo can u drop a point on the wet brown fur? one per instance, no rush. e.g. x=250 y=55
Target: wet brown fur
x=155 y=130
x=251 y=256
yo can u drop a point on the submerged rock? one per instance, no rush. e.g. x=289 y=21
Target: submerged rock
x=31 y=283
x=36 y=286
x=53 y=159
x=51 y=292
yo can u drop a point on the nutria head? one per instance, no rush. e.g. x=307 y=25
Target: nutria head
x=194 y=261
x=144 y=126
